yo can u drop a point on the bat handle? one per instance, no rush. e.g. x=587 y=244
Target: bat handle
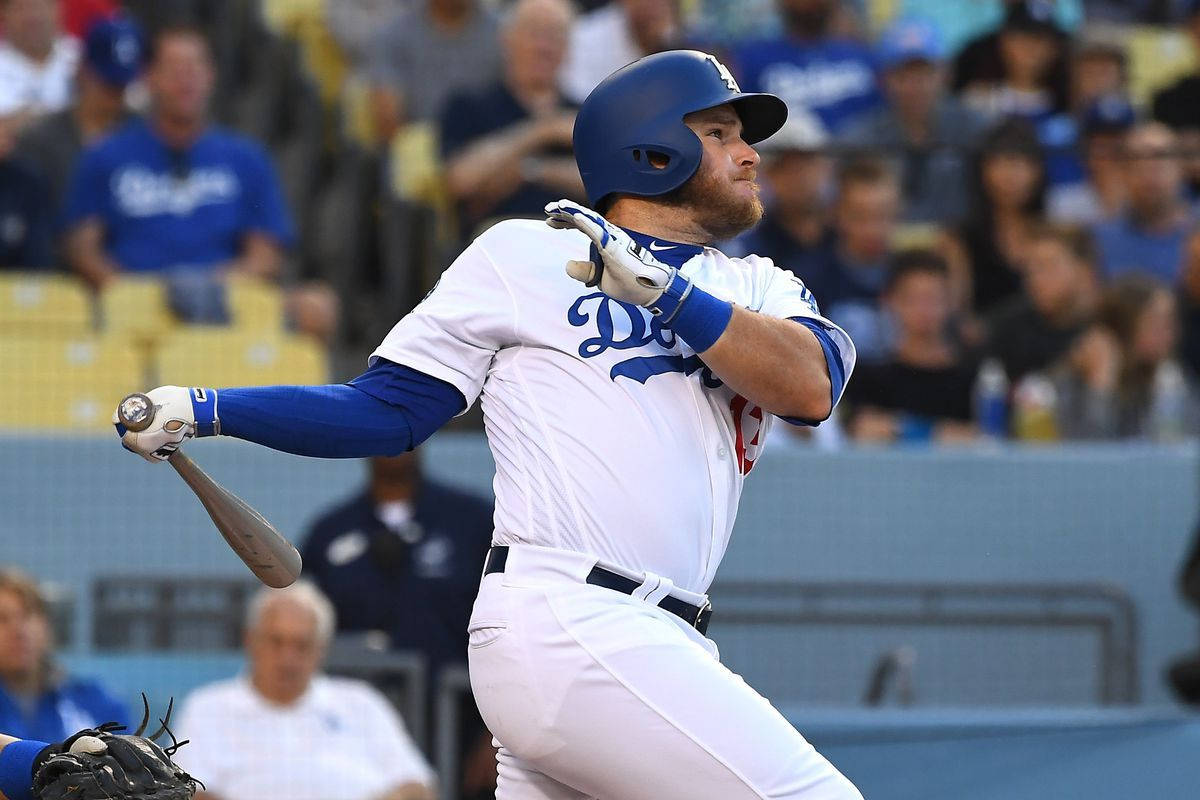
x=136 y=412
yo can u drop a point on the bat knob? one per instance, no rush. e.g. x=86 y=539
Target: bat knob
x=136 y=412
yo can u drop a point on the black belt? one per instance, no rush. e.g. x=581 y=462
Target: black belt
x=696 y=616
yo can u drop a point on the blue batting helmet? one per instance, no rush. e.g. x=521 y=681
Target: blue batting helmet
x=639 y=110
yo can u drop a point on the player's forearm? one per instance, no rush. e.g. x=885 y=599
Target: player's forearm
x=16 y=767
x=4 y=742
x=775 y=363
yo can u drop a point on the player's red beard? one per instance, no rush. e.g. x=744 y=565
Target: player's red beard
x=718 y=204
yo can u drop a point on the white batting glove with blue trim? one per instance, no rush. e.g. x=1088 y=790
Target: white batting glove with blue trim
x=622 y=268
x=180 y=413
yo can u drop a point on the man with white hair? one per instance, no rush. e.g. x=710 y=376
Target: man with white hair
x=283 y=731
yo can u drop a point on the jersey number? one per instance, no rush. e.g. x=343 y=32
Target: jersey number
x=748 y=428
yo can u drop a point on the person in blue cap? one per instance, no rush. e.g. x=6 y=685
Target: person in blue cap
x=113 y=55
x=1100 y=192
x=922 y=127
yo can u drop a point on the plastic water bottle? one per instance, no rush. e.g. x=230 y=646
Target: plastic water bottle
x=991 y=399
x=1168 y=403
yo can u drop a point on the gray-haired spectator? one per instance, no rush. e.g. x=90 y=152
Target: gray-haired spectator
x=37 y=61
x=284 y=731
x=610 y=37
x=427 y=53
x=928 y=132
x=113 y=56
x=508 y=147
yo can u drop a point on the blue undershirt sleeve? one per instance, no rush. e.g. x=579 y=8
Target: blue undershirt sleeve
x=833 y=360
x=387 y=410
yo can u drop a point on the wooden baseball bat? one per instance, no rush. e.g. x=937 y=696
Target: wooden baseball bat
x=263 y=549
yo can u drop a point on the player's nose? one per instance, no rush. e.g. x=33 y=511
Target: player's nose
x=745 y=155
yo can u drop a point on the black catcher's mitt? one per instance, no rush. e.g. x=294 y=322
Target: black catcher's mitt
x=100 y=764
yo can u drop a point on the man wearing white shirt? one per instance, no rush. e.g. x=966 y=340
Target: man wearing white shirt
x=37 y=62
x=283 y=731
x=614 y=35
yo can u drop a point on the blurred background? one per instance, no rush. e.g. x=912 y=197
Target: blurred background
x=979 y=580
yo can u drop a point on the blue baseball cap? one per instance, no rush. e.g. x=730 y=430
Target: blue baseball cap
x=1110 y=113
x=909 y=40
x=115 y=49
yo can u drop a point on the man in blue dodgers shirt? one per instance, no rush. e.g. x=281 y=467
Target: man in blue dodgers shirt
x=171 y=194
x=809 y=67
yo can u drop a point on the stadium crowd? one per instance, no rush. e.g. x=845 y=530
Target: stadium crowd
x=995 y=199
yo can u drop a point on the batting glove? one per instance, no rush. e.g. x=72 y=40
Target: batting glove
x=622 y=268
x=178 y=413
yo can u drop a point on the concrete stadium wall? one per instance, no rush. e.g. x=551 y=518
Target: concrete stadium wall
x=73 y=509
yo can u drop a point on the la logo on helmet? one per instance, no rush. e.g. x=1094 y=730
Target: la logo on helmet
x=724 y=72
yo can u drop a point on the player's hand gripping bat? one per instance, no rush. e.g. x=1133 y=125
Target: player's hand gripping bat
x=263 y=549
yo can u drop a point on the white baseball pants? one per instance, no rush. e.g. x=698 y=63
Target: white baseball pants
x=591 y=693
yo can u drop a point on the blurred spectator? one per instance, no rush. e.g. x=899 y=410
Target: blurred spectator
x=1099 y=68
x=1062 y=291
x=37 y=699
x=1008 y=188
x=961 y=24
x=354 y=25
x=507 y=148
x=114 y=51
x=610 y=37
x=1178 y=105
x=1149 y=237
x=923 y=389
x=426 y=53
x=1189 y=310
x=1020 y=69
x=1121 y=380
x=797 y=173
x=176 y=196
x=929 y=133
x=848 y=277
x=404 y=542
x=1099 y=194
x=37 y=62
x=26 y=215
x=811 y=68
x=284 y=731
x=409 y=542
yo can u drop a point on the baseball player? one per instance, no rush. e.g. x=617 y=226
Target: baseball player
x=625 y=400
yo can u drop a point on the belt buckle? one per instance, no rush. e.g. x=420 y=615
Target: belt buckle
x=700 y=623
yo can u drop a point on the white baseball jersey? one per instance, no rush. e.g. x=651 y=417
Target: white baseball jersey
x=610 y=435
